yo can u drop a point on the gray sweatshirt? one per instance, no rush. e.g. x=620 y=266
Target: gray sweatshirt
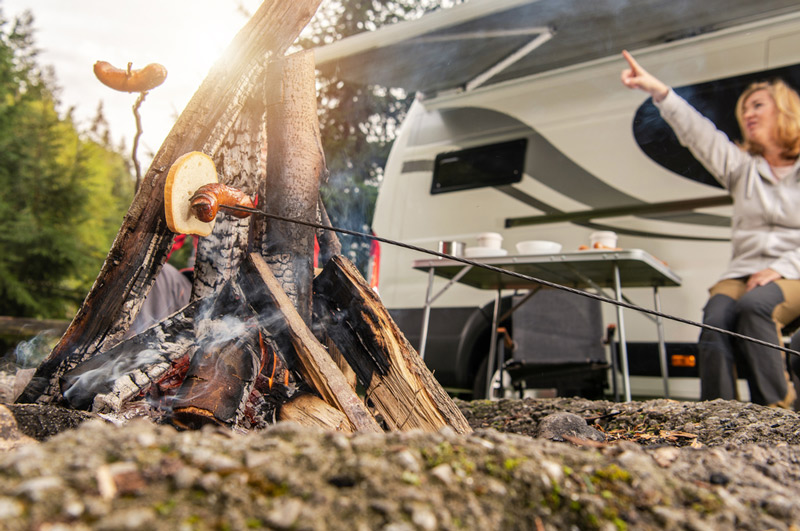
x=766 y=210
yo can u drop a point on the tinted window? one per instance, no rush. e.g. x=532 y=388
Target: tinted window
x=476 y=167
x=714 y=99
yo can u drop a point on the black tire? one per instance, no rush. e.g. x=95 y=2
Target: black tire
x=479 y=384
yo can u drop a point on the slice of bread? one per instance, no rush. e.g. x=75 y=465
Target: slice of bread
x=187 y=174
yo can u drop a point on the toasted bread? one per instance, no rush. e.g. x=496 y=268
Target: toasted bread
x=187 y=174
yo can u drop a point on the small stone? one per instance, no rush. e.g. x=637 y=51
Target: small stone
x=665 y=456
x=443 y=473
x=186 y=477
x=718 y=478
x=131 y=519
x=285 y=514
x=38 y=489
x=74 y=508
x=210 y=482
x=407 y=461
x=558 y=425
x=10 y=508
x=424 y=519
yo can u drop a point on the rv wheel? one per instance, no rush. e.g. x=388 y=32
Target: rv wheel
x=506 y=390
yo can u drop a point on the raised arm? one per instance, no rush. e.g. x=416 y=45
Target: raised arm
x=636 y=77
x=710 y=146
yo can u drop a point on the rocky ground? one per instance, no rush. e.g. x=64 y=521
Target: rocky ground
x=644 y=465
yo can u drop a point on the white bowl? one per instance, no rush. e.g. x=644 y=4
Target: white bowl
x=538 y=247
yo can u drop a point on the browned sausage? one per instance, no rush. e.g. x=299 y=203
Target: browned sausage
x=208 y=198
x=140 y=80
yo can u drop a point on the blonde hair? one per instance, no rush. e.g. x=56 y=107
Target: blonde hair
x=787 y=103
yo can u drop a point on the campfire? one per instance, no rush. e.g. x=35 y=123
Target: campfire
x=265 y=337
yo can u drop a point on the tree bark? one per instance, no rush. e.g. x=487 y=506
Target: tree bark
x=396 y=379
x=295 y=164
x=239 y=161
x=141 y=245
x=319 y=371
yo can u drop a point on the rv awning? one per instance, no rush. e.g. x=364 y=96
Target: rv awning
x=489 y=41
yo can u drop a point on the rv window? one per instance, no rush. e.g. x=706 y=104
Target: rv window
x=476 y=167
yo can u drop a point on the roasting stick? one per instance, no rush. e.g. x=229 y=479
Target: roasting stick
x=192 y=198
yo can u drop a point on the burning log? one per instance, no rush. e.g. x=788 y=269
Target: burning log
x=108 y=380
x=217 y=385
x=396 y=380
x=240 y=163
x=295 y=164
x=319 y=371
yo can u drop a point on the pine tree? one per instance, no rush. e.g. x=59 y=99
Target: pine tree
x=60 y=193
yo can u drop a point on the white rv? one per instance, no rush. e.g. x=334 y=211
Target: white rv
x=540 y=80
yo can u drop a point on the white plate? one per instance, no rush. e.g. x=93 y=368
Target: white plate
x=483 y=252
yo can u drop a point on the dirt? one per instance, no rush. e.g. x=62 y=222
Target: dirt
x=655 y=465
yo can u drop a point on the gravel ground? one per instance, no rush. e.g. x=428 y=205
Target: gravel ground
x=660 y=465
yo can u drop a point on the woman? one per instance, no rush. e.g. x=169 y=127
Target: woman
x=760 y=291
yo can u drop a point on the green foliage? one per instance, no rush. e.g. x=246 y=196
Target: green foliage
x=358 y=123
x=62 y=194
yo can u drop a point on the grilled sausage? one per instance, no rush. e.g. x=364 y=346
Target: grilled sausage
x=140 y=80
x=207 y=199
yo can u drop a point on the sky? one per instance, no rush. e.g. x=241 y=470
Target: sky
x=186 y=36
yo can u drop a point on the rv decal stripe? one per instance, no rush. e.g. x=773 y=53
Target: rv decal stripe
x=548 y=209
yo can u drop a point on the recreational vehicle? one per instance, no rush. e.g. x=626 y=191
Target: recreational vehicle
x=534 y=86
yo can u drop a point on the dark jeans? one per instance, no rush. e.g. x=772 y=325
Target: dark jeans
x=722 y=357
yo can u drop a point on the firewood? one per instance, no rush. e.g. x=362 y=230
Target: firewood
x=108 y=380
x=239 y=161
x=319 y=371
x=143 y=241
x=217 y=385
x=396 y=379
x=295 y=164
x=310 y=410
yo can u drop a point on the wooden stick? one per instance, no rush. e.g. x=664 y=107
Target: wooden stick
x=396 y=379
x=317 y=368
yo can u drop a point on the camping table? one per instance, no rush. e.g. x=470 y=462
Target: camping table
x=597 y=269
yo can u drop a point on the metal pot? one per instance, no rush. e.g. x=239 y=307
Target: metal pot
x=452 y=248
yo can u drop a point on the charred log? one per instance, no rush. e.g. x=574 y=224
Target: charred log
x=396 y=380
x=281 y=319
x=295 y=164
x=117 y=375
x=239 y=162
x=217 y=385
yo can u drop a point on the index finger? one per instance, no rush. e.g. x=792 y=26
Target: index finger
x=631 y=61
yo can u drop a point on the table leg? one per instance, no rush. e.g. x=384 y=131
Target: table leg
x=493 y=346
x=426 y=315
x=623 y=347
x=662 y=346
